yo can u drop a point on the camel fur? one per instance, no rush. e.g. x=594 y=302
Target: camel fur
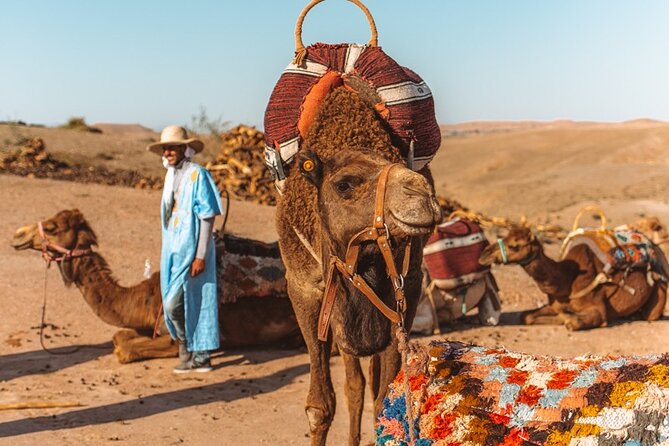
x=348 y=146
x=251 y=320
x=562 y=280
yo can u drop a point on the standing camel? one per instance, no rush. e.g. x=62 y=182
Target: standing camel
x=329 y=197
x=258 y=316
x=576 y=298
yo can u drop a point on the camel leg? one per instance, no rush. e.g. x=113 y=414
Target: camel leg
x=546 y=315
x=591 y=317
x=390 y=363
x=654 y=307
x=355 y=395
x=130 y=346
x=321 y=402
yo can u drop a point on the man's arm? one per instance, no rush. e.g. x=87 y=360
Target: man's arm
x=206 y=228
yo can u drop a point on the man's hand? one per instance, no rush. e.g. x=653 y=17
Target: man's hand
x=196 y=267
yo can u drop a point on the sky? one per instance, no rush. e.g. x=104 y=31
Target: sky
x=158 y=62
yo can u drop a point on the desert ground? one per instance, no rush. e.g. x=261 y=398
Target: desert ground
x=544 y=171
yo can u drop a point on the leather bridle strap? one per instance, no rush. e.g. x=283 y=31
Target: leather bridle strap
x=378 y=232
x=66 y=253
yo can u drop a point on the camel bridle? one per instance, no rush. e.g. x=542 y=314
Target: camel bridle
x=379 y=233
x=66 y=254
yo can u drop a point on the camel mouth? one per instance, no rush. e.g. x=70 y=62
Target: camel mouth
x=21 y=245
x=412 y=227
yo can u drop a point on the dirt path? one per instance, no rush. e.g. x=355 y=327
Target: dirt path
x=252 y=397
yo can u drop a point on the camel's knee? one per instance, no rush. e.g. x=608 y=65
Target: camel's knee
x=319 y=419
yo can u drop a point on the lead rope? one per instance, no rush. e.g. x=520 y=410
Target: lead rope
x=42 y=325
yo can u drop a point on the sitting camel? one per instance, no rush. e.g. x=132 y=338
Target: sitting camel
x=248 y=315
x=575 y=297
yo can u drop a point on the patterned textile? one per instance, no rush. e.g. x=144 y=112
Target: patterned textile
x=477 y=396
x=618 y=250
x=633 y=250
x=398 y=95
x=249 y=268
x=452 y=253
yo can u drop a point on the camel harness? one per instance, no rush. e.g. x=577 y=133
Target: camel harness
x=379 y=233
x=66 y=254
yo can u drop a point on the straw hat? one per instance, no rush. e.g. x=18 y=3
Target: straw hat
x=173 y=135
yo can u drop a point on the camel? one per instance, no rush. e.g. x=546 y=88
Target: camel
x=252 y=319
x=575 y=298
x=329 y=197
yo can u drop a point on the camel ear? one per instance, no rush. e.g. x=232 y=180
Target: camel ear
x=310 y=166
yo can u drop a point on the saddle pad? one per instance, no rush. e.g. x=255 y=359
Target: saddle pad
x=248 y=268
x=452 y=253
x=618 y=250
x=473 y=395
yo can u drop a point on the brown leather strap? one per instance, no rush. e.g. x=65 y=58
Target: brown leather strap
x=377 y=232
x=328 y=302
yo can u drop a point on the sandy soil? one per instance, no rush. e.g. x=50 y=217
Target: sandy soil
x=257 y=396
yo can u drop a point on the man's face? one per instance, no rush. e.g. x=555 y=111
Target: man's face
x=174 y=153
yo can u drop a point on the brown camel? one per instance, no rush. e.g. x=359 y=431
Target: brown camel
x=566 y=283
x=328 y=198
x=250 y=320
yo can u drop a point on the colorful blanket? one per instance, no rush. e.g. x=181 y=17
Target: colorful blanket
x=477 y=396
x=618 y=250
x=248 y=268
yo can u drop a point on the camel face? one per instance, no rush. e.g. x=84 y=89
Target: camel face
x=63 y=229
x=347 y=189
x=519 y=246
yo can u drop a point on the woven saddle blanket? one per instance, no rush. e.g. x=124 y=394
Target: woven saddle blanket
x=248 y=268
x=618 y=250
x=473 y=395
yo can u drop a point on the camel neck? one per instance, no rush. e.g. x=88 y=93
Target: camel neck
x=553 y=278
x=128 y=307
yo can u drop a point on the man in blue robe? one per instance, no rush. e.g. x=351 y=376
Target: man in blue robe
x=189 y=204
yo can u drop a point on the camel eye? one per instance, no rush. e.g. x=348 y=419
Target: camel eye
x=343 y=186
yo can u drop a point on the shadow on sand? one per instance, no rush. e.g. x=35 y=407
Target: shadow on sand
x=229 y=390
x=40 y=362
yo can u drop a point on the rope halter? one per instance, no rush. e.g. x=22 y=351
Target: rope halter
x=66 y=254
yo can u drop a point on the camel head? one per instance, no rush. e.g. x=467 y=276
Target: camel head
x=519 y=246
x=67 y=229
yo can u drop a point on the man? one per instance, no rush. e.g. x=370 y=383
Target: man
x=189 y=204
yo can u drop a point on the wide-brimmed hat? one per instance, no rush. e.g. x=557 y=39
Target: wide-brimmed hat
x=172 y=135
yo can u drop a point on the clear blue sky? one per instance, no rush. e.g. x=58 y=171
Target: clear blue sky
x=155 y=62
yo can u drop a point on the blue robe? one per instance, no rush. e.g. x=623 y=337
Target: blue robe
x=198 y=199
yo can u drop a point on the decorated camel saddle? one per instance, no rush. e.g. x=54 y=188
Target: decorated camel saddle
x=248 y=268
x=454 y=281
x=399 y=96
x=620 y=249
x=470 y=395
